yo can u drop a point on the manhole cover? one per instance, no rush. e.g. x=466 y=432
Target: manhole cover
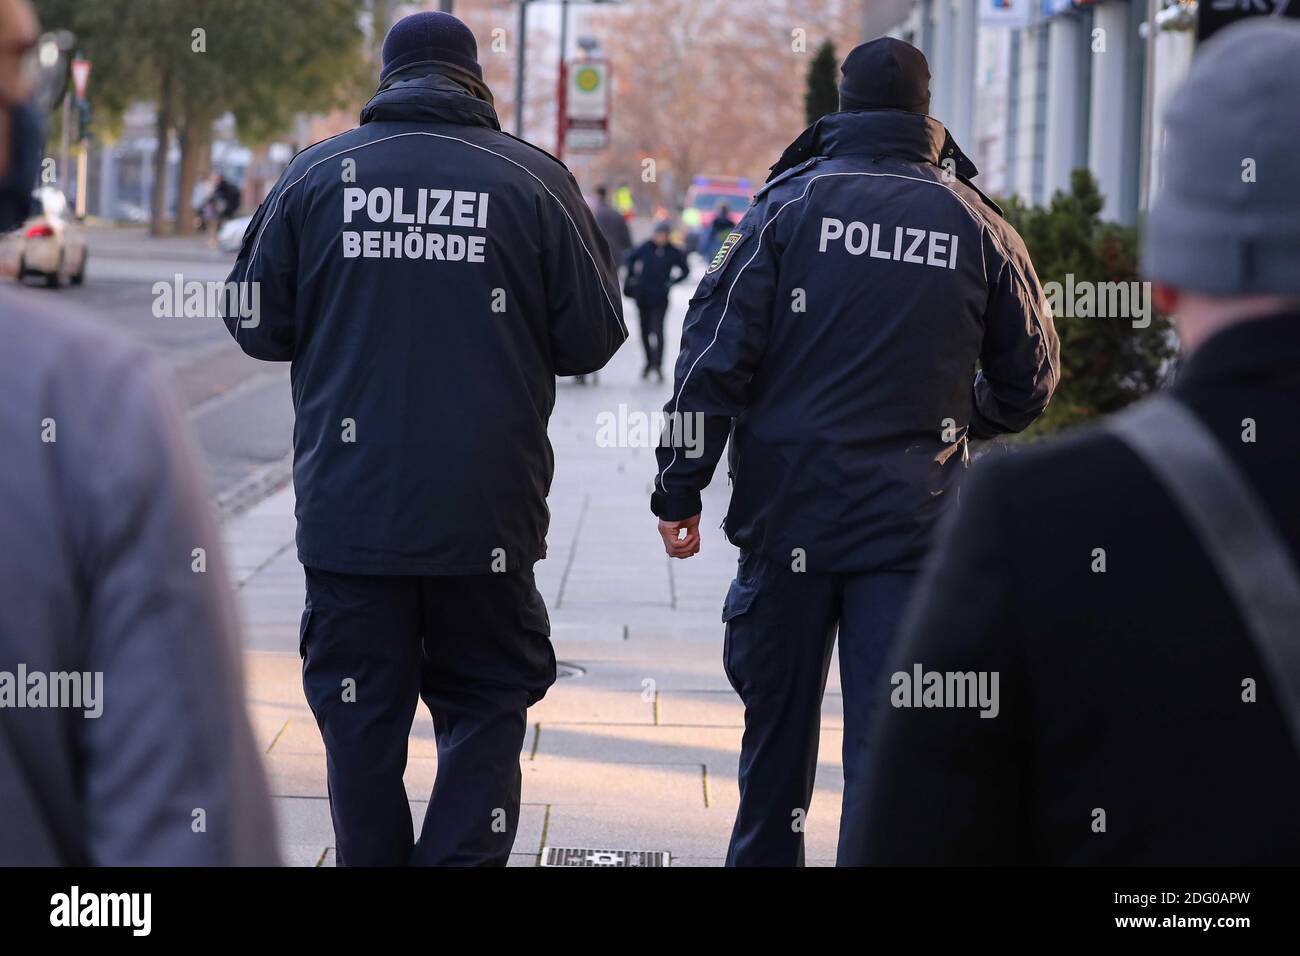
x=565 y=669
x=583 y=856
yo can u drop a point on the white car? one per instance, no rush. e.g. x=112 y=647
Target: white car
x=51 y=242
x=232 y=234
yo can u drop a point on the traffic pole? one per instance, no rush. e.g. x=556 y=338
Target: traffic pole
x=521 y=59
x=1148 y=110
x=81 y=179
x=80 y=68
x=65 y=140
x=563 y=81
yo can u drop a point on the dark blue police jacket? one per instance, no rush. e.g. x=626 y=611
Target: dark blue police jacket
x=836 y=336
x=428 y=276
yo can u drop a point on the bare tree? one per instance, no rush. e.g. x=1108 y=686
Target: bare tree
x=710 y=86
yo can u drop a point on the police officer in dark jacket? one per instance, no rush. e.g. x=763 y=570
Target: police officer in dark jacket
x=653 y=268
x=835 y=338
x=428 y=276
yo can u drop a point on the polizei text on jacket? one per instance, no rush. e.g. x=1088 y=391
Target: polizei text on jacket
x=408 y=214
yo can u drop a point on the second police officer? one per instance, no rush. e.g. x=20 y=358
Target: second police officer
x=835 y=339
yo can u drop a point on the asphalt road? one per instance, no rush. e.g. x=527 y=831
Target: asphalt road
x=238 y=409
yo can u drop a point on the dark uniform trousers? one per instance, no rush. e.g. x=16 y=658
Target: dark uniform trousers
x=781 y=629
x=477 y=650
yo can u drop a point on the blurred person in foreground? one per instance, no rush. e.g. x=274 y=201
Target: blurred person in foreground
x=123 y=734
x=653 y=268
x=1134 y=588
x=833 y=342
x=428 y=276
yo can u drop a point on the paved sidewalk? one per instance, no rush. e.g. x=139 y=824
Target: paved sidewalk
x=639 y=751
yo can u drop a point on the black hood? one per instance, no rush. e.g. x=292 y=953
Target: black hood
x=424 y=94
x=897 y=133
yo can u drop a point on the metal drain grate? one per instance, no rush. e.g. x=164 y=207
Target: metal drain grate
x=584 y=856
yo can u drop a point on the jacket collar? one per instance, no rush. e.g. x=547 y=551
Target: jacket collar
x=424 y=96
x=1255 y=351
x=878 y=133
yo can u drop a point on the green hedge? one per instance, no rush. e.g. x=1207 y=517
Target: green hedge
x=1106 y=362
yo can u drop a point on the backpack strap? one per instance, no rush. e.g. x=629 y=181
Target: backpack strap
x=1227 y=517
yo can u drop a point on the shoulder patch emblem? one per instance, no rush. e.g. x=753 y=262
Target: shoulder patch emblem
x=724 y=250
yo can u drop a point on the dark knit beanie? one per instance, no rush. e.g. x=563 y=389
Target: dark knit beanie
x=431 y=35
x=885 y=74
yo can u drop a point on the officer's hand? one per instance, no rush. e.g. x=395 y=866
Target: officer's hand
x=677 y=545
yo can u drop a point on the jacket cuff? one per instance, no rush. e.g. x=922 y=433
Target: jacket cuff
x=979 y=429
x=675 y=507
x=983 y=428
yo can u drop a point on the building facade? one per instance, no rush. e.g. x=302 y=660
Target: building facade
x=1034 y=89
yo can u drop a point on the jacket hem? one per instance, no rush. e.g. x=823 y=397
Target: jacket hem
x=407 y=568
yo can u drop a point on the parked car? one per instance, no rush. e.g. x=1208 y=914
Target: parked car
x=705 y=195
x=51 y=243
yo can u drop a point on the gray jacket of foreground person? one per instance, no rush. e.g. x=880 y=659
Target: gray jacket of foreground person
x=102 y=612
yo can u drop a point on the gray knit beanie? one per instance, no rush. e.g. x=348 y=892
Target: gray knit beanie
x=1226 y=217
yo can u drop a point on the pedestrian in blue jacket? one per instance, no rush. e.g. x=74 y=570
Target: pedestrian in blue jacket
x=428 y=276
x=835 y=339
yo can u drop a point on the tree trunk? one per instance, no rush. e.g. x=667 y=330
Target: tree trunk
x=158 y=201
x=196 y=144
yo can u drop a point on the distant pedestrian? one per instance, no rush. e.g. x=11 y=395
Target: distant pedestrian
x=1125 y=602
x=653 y=268
x=623 y=201
x=613 y=226
x=721 y=227
x=220 y=206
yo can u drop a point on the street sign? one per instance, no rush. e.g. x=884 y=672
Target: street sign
x=586 y=106
x=1052 y=7
x=1213 y=15
x=1006 y=13
x=80 y=76
x=586 y=139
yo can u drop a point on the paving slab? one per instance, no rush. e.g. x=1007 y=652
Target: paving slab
x=306 y=831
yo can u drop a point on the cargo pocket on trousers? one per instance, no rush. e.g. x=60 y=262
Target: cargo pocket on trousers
x=540 y=657
x=740 y=598
x=532 y=613
x=303 y=626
